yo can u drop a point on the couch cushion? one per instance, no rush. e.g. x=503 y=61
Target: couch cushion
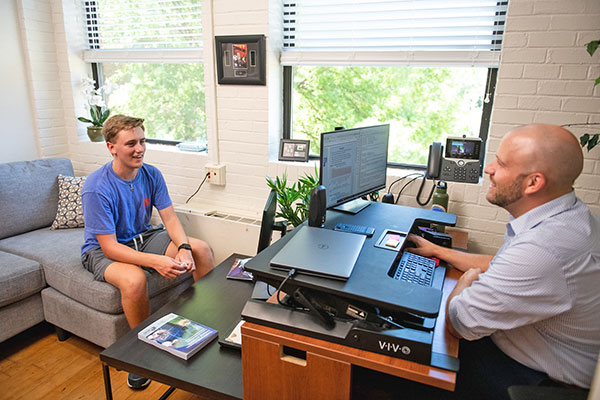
x=16 y=317
x=19 y=278
x=70 y=212
x=29 y=194
x=59 y=254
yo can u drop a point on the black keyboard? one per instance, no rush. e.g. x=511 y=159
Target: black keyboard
x=358 y=229
x=415 y=269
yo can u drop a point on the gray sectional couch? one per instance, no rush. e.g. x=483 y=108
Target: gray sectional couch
x=41 y=276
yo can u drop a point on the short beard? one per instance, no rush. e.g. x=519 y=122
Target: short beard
x=512 y=194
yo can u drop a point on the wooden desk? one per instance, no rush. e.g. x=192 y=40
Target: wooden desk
x=460 y=239
x=278 y=364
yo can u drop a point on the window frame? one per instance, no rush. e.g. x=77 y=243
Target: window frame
x=346 y=48
x=288 y=83
x=95 y=56
x=98 y=76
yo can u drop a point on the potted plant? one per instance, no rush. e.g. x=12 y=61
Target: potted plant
x=98 y=111
x=294 y=200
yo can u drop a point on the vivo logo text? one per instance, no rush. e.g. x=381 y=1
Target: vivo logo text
x=394 y=347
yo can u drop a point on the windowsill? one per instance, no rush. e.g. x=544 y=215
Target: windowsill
x=154 y=147
x=173 y=149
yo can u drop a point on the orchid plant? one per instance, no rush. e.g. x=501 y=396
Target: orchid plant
x=95 y=101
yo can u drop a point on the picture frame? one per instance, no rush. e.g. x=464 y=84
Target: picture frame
x=294 y=150
x=241 y=60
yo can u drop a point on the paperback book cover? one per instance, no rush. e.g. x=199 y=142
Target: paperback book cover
x=234 y=339
x=178 y=335
x=237 y=270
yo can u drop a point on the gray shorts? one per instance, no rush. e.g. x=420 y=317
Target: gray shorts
x=154 y=241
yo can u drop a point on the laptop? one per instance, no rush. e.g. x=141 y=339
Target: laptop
x=321 y=252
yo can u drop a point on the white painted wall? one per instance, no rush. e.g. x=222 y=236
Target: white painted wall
x=17 y=133
x=545 y=76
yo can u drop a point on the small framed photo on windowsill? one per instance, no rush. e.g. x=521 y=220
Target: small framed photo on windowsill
x=294 y=150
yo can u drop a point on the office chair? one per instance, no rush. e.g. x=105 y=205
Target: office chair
x=268 y=224
x=557 y=393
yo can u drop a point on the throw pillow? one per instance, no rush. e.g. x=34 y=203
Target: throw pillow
x=70 y=212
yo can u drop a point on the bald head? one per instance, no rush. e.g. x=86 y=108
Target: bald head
x=551 y=150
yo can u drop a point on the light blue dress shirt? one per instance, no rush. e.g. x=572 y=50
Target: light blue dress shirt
x=540 y=298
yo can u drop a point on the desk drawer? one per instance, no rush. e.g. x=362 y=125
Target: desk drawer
x=274 y=371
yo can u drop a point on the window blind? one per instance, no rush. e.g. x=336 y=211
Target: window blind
x=143 y=30
x=379 y=32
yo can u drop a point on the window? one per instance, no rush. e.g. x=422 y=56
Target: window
x=153 y=51
x=427 y=67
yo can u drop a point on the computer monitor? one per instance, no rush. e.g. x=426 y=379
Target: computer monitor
x=353 y=164
x=268 y=220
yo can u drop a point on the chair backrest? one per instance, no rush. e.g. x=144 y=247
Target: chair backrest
x=268 y=221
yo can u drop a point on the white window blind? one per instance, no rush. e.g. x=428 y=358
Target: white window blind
x=143 y=30
x=393 y=32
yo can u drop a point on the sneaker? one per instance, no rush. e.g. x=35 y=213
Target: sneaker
x=137 y=382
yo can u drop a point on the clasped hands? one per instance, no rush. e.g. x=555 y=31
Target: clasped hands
x=172 y=267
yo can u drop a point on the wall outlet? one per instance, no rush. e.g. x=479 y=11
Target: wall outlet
x=216 y=174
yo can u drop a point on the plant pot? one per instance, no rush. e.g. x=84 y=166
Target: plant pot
x=95 y=133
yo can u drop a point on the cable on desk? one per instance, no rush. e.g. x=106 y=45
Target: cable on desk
x=421 y=203
x=406 y=184
x=401 y=179
x=290 y=274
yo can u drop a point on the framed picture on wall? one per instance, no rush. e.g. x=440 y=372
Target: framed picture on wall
x=241 y=60
x=294 y=150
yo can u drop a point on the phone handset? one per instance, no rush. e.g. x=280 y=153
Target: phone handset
x=434 y=167
x=434 y=161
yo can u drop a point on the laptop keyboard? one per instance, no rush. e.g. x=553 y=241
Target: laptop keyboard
x=415 y=269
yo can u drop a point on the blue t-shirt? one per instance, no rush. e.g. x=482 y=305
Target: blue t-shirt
x=114 y=205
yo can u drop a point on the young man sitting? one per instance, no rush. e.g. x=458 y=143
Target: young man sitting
x=119 y=242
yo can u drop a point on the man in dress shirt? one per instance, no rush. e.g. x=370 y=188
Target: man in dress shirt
x=530 y=313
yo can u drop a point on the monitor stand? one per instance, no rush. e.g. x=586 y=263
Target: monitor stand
x=353 y=207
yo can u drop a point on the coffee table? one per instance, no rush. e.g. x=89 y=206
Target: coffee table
x=214 y=372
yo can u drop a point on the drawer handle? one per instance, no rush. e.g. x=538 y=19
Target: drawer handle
x=291 y=355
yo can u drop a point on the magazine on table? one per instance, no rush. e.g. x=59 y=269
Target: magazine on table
x=234 y=339
x=237 y=270
x=178 y=335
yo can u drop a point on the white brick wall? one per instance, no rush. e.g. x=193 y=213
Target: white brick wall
x=545 y=76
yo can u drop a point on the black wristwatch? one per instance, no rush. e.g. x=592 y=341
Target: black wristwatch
x=184 y=246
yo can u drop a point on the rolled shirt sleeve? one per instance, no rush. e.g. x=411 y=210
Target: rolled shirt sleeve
x=524 y=284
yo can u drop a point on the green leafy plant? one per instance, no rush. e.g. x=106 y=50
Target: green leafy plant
x=95 y=101
x=591 y=140
x=591 y=49
x=294 y=199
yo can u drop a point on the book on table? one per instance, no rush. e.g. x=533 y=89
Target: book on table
x=177 y=335
x=234 y=339
x=237 y=270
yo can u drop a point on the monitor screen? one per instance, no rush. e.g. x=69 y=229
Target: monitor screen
x=353 y=162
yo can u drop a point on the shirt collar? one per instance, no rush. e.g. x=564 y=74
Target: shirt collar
x=536 y=215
